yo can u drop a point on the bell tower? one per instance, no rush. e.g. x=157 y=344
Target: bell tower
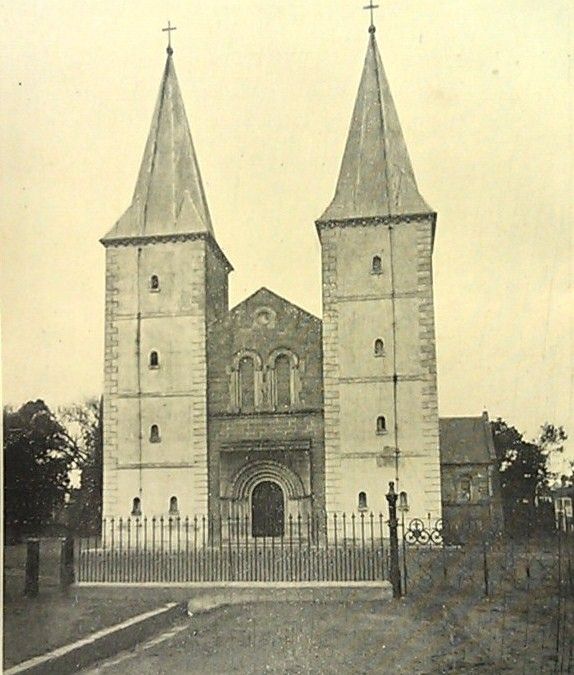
x=379 y=360
x=166 y=279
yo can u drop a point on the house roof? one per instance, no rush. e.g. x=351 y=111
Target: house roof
x=376 y=177
x=168 y=198
x=466 y=440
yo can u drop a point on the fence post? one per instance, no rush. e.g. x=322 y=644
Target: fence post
x=485 y=565
x=66 y=563
x=394 y=541
x=31 y=585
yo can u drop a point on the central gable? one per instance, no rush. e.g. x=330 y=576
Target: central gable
x=262 y=329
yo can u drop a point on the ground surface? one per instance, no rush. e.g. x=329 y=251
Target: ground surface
x=299 y=638
x=472 y=634
x=33 y=626
x=445 y=624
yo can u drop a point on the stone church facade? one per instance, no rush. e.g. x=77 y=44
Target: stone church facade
x=264 y=410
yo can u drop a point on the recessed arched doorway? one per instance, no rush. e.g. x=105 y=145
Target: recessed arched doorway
x=267 y=510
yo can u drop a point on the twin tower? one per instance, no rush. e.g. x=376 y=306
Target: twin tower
x=375 y=411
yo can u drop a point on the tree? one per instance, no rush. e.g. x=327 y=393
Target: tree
x=525 y=472
x=38 y=457
x=84 y=426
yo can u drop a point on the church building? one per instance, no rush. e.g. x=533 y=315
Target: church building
x=264 y=410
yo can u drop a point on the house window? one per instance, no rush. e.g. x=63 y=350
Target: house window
x=154 y=434
x=283 y=381
x=362 y=501
x=154 y=283
x=246 y=384
x=136 y=506
x=379 y=347
x=154 y=360
x=465 y=489
x=381 y=425
x=173 y=507
x=564 y=505
x=377 y=265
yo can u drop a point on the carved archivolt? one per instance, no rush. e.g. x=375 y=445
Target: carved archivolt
x=248 y=476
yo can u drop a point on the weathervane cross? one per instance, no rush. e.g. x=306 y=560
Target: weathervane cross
x=169 y=29
x=371 y=7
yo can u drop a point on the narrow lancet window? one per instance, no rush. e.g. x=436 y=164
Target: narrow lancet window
x=362 y=501
x=379 y=347
x=136 y=506
x=173 y=507
x=154 y=282
x=381 y=424
x=377 y=265
x=246 y=384
x=283 y=380
x=154 y=434
x=154 y=360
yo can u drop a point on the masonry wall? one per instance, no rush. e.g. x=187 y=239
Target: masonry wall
x=171 y=321
x=357 y=310
x=292 y=438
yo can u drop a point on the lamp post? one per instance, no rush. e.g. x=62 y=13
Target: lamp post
x=395 y=573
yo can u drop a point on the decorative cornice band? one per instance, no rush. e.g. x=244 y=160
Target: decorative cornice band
x=372 y=379
x=145 y=240
x=375 y=296
x=266 y=413
x=155 y=465
x=375 y=220
x=267 y=444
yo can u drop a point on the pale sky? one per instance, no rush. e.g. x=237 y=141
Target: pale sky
x=484 y=90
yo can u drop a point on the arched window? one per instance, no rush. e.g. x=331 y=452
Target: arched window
x=379 y=347
x=154 y=434
x=381 y=425
x=153 y=360
x=362 y=501
x=377 y=265
x=154 y=282
x=246 y=384
x=283 y=381
x=136 y=506
x=173 y=507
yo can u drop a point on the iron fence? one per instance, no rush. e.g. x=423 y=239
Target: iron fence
x=201 y=549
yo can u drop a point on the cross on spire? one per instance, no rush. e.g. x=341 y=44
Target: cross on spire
x=169 y=29
x=371 y=7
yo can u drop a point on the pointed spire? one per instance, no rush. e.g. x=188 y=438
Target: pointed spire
x=169 y=196
x=376 y=177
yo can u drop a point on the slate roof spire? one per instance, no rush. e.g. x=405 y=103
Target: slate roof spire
x=376 y=177
x=169 y=197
